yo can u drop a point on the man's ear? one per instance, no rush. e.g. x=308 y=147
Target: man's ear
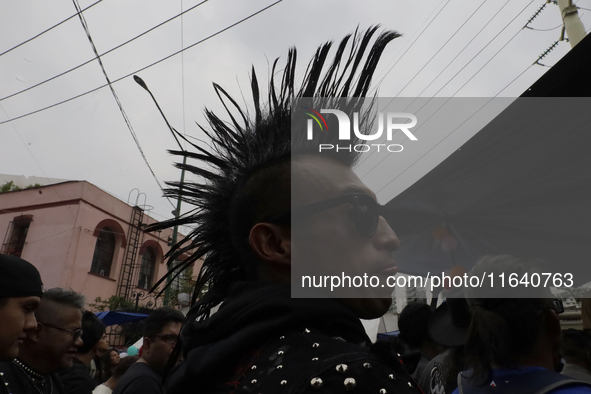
x=147 y=344
x=271 y=243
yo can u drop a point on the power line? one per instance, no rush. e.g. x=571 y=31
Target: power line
x=45 y=31
x=450 y=133
x=410 y=46
x=35 y=159
x=102 y=54
x=465 y=46
x=450 y=63
x=553 y=28
x=146 y=67
x=127 y=121
x=495 y=55
x=479 y=52
x=441 y=48
x=461 y=87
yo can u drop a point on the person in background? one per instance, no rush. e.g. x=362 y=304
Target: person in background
x=161 y=333
x=122 y=367
x=20 y=292
x=513 y=343
x=413 y=325
x=110 y=360
x=49 y=348
x=77 y=379
x=96 y=368
x=576 y=352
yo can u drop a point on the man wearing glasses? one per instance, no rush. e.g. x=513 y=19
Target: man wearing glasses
x=48 y=348
x=161 y=332
x=266 y=203
x=77 y=378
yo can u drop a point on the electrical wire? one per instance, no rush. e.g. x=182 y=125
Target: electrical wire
x=102 y=54
x=35 y=159
x=461 y=87
x=441 y=48
x=554 y=28
x=407 y=49
x=127 y=121
x=146 y=67
x=465 y=46
x=450 y=133
x=473 y=38
x=46 y=30
x=479 y=52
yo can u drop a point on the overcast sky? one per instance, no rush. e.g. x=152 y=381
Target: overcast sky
x=88 y=139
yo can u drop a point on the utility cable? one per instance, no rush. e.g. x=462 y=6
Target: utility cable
x=127 y=122
x=451 y=62
x=407 y=49
x=461 y=87
x=46 y=30
x=35 y=159
x=479 y=52
x=441 y=48
x=465 y=46
x=102 y=54
x=144 y=68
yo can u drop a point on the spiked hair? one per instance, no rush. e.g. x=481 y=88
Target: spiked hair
x=246 y=176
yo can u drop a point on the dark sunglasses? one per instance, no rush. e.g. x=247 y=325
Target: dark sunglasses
x=74 y=333
x=365 y=214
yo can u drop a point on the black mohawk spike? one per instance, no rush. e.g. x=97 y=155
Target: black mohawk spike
x=241 y=149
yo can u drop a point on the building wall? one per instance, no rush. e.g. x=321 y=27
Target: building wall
x=62 y=235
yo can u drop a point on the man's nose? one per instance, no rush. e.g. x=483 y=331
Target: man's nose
x=30 y=322
x=386 y=237
x=79 y=342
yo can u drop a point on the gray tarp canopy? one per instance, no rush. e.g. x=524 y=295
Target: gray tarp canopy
x=520 y=186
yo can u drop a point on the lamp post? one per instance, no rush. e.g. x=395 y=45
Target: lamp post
x=177 y=211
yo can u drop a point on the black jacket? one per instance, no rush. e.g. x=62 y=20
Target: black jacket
x=14 y=381
x=77 y=379
x=263 y=341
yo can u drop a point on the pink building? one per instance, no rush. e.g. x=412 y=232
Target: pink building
x=81 y=237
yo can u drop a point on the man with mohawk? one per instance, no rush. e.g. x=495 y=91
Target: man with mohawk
x=269 y=197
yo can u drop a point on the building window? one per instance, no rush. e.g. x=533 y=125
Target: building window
x=104 y=251
x=16 y=235
x=147 y=269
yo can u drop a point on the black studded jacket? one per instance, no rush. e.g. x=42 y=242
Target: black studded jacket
x=263 y=341
x=14 y=381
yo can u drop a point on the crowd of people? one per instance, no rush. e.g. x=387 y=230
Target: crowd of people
x=267 y=200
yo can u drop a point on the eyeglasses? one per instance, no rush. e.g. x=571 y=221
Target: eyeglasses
x=365 y=214
x=170 y=339
x=75 y=333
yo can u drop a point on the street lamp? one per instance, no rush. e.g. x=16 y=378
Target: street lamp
x=177 y=211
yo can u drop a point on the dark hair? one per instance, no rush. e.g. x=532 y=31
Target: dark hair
x=575 y=344
x=413 y=324
x=3 y=301
x=61 y=297
x=503 y=330
x=124 y=365
x=159 y=318
x=245 y=176
x=93 y=330
x=106 y=364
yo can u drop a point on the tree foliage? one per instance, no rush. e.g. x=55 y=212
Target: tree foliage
x=11 y=187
